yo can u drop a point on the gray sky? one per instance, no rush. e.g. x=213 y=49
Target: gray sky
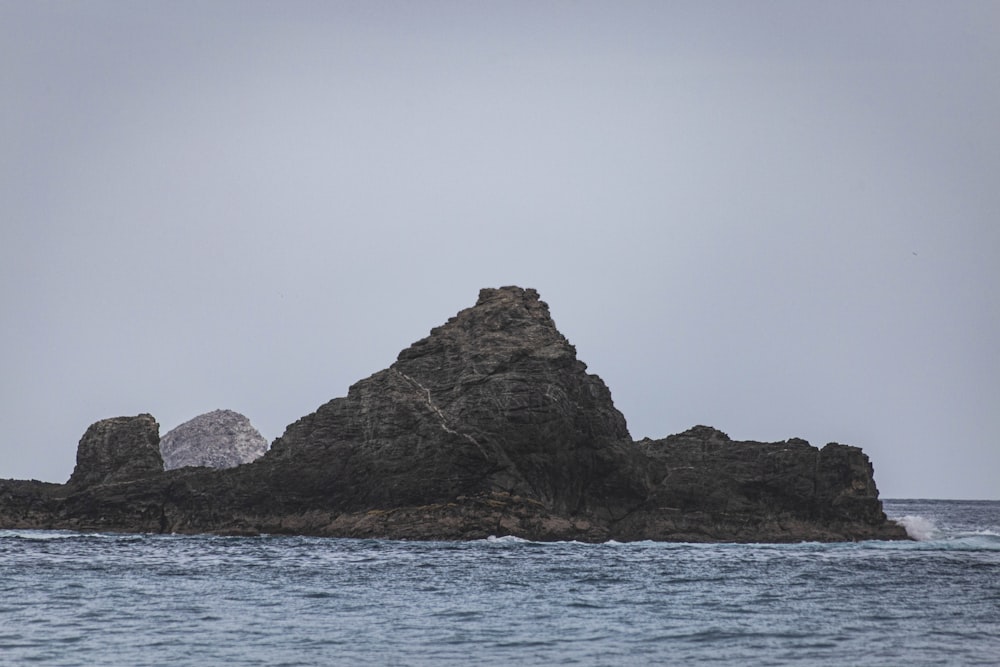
x=778 y=219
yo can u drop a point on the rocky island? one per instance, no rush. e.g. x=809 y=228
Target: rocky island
x=488 y=426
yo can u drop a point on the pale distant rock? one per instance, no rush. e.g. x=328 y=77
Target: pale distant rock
x=217 y=439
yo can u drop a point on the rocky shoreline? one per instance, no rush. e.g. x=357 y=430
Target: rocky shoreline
x=488 y=426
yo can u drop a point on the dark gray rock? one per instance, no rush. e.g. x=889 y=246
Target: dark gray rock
x=217 y=439
x=489 y=425
x=711 y=488
x=120 y=449
x=494 y=400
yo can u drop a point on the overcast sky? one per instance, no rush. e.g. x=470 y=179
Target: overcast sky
x=778 y=219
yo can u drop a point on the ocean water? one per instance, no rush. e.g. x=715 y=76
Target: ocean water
x=108 y=599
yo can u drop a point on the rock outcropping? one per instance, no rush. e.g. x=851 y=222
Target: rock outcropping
x=709 y=487
x=119 y=449
x=494 y=401
x=217 y=439
x=489 y=426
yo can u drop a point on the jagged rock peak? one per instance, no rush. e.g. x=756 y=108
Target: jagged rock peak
x=512 y=294
x=506 y=322
x=118 y=449
x=700 y=433
x=217 y=439
x=494 y=400
x=511 y=306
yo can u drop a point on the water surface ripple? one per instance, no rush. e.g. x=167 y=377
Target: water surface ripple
x=74 y=599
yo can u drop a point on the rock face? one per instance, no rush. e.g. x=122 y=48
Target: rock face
x=217 y=439
x=709 y=487
x=119 y=449
x=493 y=401
x=488 y=426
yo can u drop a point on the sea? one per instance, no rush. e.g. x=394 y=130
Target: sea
x=115 y=599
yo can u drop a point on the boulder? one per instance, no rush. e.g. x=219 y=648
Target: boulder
x=217 y=439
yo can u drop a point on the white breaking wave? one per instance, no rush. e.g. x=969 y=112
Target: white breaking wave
x=988 y=533
x=506 y=538
x=33 y=534
x=919 y=528
x=28 y=534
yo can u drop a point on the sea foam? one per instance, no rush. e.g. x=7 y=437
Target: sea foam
x=919 y=528
x=507 y=539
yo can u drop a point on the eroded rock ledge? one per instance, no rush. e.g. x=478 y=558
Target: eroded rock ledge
x=488 y=426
